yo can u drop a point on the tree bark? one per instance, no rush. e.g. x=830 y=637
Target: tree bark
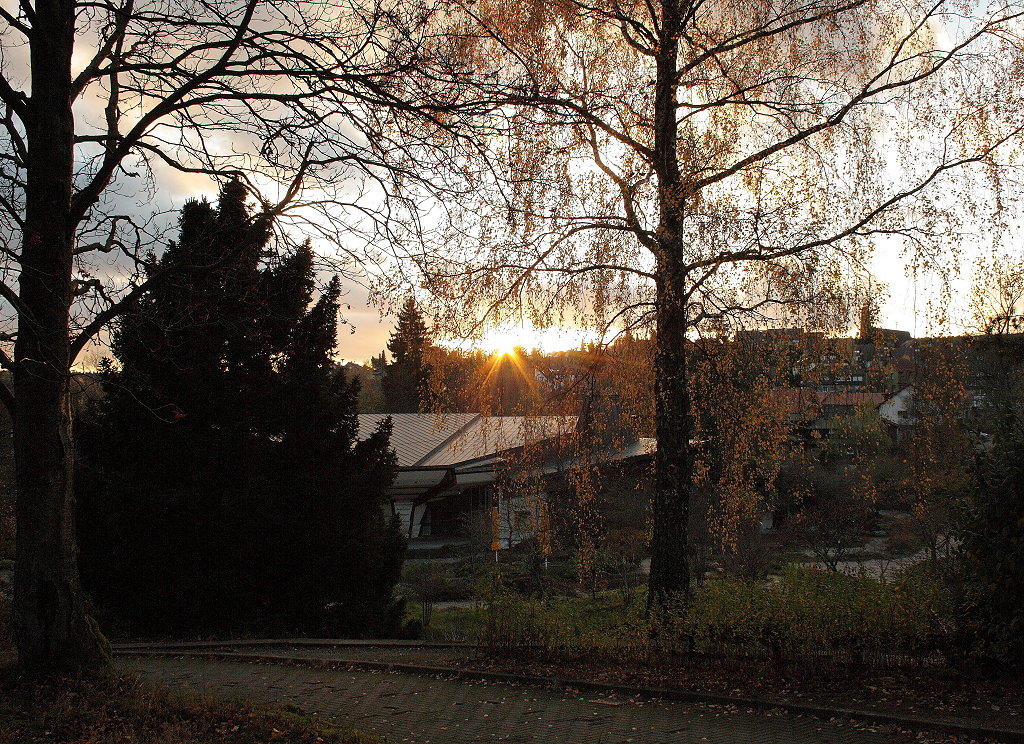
x=670 y=571
x=51 y=629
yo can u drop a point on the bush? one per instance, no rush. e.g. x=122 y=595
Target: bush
x=808 y=613
x=507 y=621
x=992 y=593
x=803 y=614
x=428 y=582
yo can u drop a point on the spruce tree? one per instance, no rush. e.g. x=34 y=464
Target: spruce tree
x=406 y=381
x=246 y=503
x=992 y=594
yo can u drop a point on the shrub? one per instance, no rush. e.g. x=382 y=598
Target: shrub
x=806 y=613
x=801 y=615
x=509 y=622
x=991 y=603
x=428 y=582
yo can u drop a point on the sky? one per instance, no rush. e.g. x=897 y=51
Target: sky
x=364 y=332
x=906 y=303
x=365 y=329
x=367 y=333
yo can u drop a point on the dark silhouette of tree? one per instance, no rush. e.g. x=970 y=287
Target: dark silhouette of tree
x=992 y=529
x=405 y=382
x=993 y=554
x=307 y=93
x=246 y=504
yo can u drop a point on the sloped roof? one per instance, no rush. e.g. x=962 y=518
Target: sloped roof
x=440 y=440
x=414 y=436
x=642 y=446
x=799 y=400
x=486 y=436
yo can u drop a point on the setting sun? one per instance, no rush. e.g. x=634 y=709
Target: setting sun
x=503 y=339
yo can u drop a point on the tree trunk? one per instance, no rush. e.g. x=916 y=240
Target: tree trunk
x=51 y=629
x=670 y=570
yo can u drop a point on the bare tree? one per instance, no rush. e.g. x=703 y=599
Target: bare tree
x=997 y=296
x=680 y=162
x=99 y=98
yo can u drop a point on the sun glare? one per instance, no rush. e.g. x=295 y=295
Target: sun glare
x=503 y=339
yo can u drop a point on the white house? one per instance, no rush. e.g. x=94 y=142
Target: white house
x=899 y=413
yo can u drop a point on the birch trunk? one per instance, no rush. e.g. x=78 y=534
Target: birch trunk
x=670 y=571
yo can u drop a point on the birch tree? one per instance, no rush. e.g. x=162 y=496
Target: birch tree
x=672 y=163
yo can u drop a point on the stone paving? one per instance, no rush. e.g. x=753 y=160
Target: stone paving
x=423 y=709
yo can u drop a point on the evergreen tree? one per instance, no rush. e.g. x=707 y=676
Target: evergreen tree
x=406 y=381
x=247 y=505
x=992 y=596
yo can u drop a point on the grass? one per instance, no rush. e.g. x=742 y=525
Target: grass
x=604 y=612
x=121 y=710
x=448 y=624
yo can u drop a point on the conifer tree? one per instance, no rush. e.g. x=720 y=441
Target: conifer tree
x=405 y=382
x=992 y=595
x=248 y=505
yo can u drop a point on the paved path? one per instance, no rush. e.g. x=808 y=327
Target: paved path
x=423 y=709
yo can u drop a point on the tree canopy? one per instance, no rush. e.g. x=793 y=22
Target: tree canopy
x=222 y=486
x=99 y=103
x=673 y=165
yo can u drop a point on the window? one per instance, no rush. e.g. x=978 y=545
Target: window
x=478 y=498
